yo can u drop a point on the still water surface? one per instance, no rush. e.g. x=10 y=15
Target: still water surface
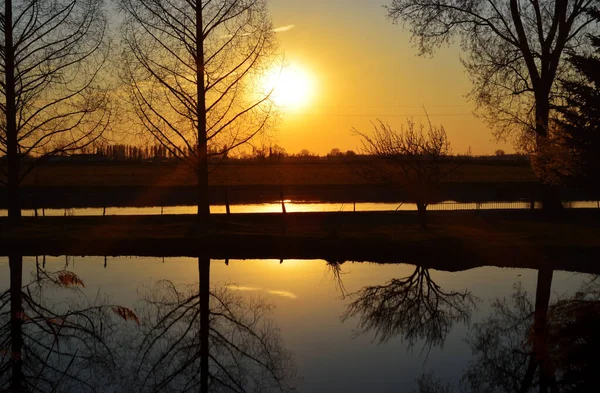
x=299 y=207
x=305 y=304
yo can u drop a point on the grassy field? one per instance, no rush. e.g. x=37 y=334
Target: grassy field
x=321 y=172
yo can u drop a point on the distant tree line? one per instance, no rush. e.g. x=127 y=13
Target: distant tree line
x=130 y=152
x=274 y=153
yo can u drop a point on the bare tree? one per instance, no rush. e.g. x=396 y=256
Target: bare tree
x=51 y=54
x=410 y=157
x=193 y=68
x=515 y=55
x=413 y=307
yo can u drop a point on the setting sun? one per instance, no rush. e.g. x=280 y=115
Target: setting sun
x=291 y=87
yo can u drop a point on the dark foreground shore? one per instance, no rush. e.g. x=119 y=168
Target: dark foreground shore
x=453 y=241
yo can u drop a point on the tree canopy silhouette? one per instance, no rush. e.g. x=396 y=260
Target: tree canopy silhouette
x=193 y=70
x=581 y=118
x=514 y=57
x=413 y=157
x=51 y=55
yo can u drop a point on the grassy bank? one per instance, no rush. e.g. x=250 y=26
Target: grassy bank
x=139 y=184
x=454 y=241
x=141 y=196
x=238 y=173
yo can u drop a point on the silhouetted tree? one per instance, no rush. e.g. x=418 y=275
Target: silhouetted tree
x=410 y=157
x=581 y=119
x=51 y=54
x=414 y=308
x=193 y=69
x=335 y=152
x=514 y=56
x=305 y=153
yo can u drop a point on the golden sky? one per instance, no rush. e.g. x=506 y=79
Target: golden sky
x=364 y=68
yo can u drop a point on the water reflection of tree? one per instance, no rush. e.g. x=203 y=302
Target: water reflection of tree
x=187 y=340
x=51 y=347
x=534 y=347
x=414 y=308
x=198 y=339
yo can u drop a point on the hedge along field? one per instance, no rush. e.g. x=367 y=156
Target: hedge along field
x=317 y=172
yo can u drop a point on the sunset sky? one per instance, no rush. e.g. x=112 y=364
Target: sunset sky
x=363 y=67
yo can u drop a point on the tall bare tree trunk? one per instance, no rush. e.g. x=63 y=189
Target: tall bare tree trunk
x=12 y=153
x=550 y=198
x=201 y=154
x=204 y=272
x=16 y=322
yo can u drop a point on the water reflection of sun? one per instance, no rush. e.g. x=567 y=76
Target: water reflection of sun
x=291 y=87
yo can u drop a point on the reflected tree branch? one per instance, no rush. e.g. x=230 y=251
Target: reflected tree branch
x=533 y=347
x=234 y=349
x=414 y=308
x=50 y=345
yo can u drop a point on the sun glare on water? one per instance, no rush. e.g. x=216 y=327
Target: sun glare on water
x=291 y=87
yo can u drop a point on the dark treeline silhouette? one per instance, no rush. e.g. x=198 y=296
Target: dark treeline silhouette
x=157 y=153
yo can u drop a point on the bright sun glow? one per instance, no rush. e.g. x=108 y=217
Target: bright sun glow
x=292 y=87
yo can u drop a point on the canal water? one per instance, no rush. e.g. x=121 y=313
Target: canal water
x=291 y=206
x=306 y=324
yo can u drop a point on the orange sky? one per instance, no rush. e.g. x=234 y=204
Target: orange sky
x=365 y=68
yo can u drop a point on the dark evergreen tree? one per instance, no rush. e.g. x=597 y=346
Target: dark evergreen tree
x=581 y=120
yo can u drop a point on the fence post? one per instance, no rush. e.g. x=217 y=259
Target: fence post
x=282 y=202
x=227 y=202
